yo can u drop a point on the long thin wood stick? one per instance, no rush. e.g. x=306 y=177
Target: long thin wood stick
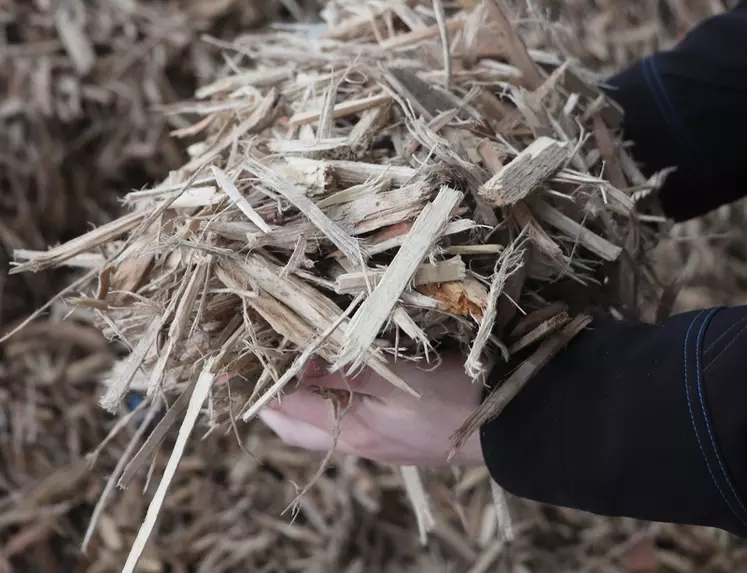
x=510 y=261
x=352 y=249
x=230 y=189
x=446 y=271
x=156 y=436
x=419 y=500
x=598 y=245
x=419 y=35
x=111 y=483
x=88 y=241
x=199 y=395
x=377 y=308
x=342 y=109
x=445 y=44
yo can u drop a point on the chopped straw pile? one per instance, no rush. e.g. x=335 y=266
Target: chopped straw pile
x=364 y=182
x=80 y=81
x=707 y=259
x=365 y=196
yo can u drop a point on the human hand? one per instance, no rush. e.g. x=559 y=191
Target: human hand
x=381 y=422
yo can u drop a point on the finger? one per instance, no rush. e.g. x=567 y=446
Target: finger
x=364 y=382
x=311 y=408
x=295 y=432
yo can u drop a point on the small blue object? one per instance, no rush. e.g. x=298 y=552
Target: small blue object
x=134 y=399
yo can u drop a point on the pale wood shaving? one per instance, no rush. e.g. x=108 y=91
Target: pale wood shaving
x=230 y=189
x=197 y=399
x=530 y=169
x=598 y=245
x=258 y=119
x=506 y=530
x=447 y=271
x=343 y=110
x=156 y=437
x=366 y=323
x=416 y=36
x=337 y=235
x=79 y=245
x=75 y=41
x=419 y=499
x=510 y=261
x=393 y=236
x=118 y=387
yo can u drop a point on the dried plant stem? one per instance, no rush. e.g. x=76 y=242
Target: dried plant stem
x=419 y=500
x=199 y=395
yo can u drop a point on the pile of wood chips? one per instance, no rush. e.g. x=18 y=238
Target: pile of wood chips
x=707 y=259
x=81 y=82
x=350 y=179
x=362 y=195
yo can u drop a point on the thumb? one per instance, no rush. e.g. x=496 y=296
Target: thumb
x=366 y=381
x=307 y=406
x=296 y=432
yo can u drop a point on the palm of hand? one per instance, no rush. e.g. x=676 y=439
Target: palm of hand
x=379 y=421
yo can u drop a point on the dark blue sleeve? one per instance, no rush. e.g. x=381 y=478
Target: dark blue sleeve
x=685 y=108
x=635 y=420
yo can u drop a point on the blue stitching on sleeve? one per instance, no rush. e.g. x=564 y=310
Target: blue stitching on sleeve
x=695 y=427
x=666 y=108
x=705 y=414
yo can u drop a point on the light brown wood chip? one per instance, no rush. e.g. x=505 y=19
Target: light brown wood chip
x=376 y=310
x=596 y=244
x=526 y=172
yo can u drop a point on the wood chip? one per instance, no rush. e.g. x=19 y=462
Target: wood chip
x=79 y=245
x=447 y=271
x=199 y=395
x=230 y=189
x=525 y=173
x=549 y=326
x=598 y=245
x=416 y=492
x=372 y=314
x=343 y=109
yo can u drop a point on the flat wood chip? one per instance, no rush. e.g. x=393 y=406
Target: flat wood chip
x=525 y=173
x=377 y=308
